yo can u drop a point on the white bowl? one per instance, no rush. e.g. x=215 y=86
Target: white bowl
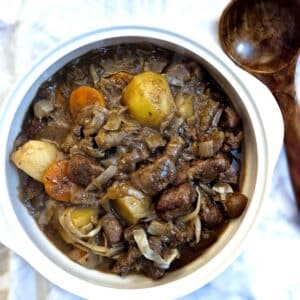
x=263 y=128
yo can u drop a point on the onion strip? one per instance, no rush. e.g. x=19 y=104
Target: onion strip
x=194 y=213
x=140 y=238
x=86 y=246
x=76 y=231
x=197 y=224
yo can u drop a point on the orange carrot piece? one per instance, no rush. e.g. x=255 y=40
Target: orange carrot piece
x=56 y=182
x=83 y=96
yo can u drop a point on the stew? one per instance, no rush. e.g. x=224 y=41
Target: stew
x=131 y=160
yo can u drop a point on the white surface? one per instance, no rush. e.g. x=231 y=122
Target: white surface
x=269 y=268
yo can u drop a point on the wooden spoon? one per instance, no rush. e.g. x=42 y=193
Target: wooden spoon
x=263 y=37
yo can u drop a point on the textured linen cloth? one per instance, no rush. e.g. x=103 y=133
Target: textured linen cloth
x=269 y=267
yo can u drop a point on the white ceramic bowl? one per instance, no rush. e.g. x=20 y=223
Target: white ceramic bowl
x=263 y=129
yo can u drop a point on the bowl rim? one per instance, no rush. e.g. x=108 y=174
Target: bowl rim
x=230 y=251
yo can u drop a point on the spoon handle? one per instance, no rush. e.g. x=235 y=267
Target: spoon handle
x=282 y=85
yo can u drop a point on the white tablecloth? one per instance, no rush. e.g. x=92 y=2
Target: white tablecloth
x=269 y=267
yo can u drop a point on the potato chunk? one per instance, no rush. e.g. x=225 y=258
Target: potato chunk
x=149 y=99
x=34 y=157
x=128 y=202
x=132 y=209
x=83 y=216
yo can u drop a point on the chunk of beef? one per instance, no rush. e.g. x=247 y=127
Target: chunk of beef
x=112 y=228
x=234 y=140
x=207 y=111
x=54 y=131
x=231 y=119
x=91 y=118
x=153 y=178
x=30 y=188
x=177 y=74
x=126 y=260
x=82 y=169
x=87 y=146
x=71 y=138
x=210 y=143
x=182 y=173
x=128 y=160
x=175 y=202
x=210 y=213
x=207 y=170
x=79 y=196
x=171 y=234
x=33 y=127
x=203 y=170
x=156 y=244
x=150 y=270
x=231 y=173
x=174 y=147
x=108 y=139
x=152 y=139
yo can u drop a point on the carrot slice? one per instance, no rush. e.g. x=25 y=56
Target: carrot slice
x=83 y=96
x=56 y=182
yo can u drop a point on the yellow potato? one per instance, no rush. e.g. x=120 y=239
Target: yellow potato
x=132 y=209
x=149 y=99
x=82 y=216
x=34 y=157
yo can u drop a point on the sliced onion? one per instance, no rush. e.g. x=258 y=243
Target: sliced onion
x=207 y=189
x=75 y=230
x=113 y=122
x=140 y=238
x=48 y=213
x=94 y=74
x=104 y=177
x=90 y=260
x=223 y=189
x=86 y=246
x=217 y=117
x=197 y=224
x=194 y=213
x=158 y=228
x=43 y=108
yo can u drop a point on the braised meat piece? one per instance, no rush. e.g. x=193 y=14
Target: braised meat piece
x=171 y=234
x=112 y=228
x=80 y=197
x=153 y=178
x=150 y=270
x=207 y=170
x=175 y=202
x=177 y=74
x=126 y=261
x=210 y=213
x=203 y=170
x=234 y=140
x=82 y=169
x=174 y=147
x=231 y=119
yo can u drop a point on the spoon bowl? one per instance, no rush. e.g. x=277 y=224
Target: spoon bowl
x=263 y=37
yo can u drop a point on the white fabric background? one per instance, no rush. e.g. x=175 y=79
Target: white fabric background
x=269 y=268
